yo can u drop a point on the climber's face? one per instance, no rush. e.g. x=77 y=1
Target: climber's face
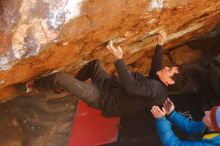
x=166 y=75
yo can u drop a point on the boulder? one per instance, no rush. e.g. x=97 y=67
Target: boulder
x=185 y=54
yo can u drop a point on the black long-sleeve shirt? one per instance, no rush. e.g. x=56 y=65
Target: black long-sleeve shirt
x=156 y=63
x=133 y=91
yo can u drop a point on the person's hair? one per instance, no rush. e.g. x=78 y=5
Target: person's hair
x=180 y=80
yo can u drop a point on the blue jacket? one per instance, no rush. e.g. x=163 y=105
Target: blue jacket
x=189 y=127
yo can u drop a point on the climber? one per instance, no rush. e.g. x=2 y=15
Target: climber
x=114 y=96
x=208 y=128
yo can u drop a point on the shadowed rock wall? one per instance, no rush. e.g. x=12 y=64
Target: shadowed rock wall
x=38 y=37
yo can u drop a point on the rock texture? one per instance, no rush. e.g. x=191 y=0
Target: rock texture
x=38 y=37
x=184 y=54
x=43 y=120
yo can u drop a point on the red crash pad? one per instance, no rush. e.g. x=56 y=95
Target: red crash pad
x=89 y=128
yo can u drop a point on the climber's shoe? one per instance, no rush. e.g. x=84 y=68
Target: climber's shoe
x=29 y=86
